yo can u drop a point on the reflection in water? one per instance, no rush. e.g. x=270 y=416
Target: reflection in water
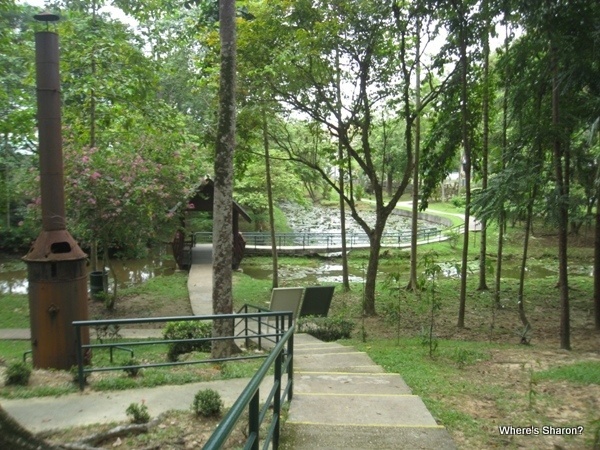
x=326 y=273
x=332 y=273
x=128 y=273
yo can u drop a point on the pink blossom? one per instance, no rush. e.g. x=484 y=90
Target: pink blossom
x=96 y=175
x=85 y=159
x=191 y=206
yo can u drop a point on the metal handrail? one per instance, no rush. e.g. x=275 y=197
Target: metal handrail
x=326 y=239
x=282 y=360
x=82 y=349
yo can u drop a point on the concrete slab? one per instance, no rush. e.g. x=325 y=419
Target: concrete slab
x=348 y=383
x=339 y=437
x=48 y=413
x=306 y=350
x=200 y=280
x=349 y=361
x=359 y=409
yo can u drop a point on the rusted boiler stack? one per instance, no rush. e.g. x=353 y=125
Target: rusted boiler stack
x=56 y=265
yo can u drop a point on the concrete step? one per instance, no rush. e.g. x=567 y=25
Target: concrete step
x=349 y=383
x=346 y=361
x=314 y=350
x=360 y=410
x=297 y=436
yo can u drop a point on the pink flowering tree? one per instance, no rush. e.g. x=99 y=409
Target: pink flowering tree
x=121 y=197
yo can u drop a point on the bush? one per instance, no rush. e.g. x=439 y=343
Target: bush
x=326 y=328
x=18 y=374
x=207 y=403
x=138 y=413
x=187 y=330
x=132 y=371
x=459 y=201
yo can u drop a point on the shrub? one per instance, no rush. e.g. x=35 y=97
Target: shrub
x=18 y=374
x=460 y=201
x=138 y=413
x=326 y=328
x=186 y=330
x=207 y=403
x=132 y=371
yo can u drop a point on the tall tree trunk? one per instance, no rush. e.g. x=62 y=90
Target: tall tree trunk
x=563 y=212
x=371 y=275
x=270 y=201
x=223 y=183
x=414 y=226
x=485 y=150
x=341 y=162
x=520 y=300
x=502 y=213
x=597 y=263
x=467 y=167
x=14 y=437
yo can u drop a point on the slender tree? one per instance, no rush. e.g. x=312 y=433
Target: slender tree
x=486 y=138
x=223 y=183
x=270 y=199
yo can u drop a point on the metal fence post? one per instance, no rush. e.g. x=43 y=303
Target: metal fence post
x=277 y=399
x=253 y=419
x=290 y=357
x=80 y=377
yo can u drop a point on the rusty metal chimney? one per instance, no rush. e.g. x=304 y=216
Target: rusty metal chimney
x=56 y=265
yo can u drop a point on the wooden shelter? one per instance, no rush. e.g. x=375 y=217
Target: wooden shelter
x=202 y=201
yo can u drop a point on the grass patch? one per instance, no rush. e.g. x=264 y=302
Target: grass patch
x=12 y=351
x=163 y=287
x=584 y=372
x=14 y=311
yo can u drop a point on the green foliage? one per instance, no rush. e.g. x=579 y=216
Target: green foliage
x=584 y=372
x=207 y=403
x=466 y=357
x=459 y=202
x=18 y=374
x=132 y=371
x=138 y=413
x=189 y=330
x=326 y=328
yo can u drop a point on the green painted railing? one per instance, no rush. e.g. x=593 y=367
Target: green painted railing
x=273 y=334
x=281 y=358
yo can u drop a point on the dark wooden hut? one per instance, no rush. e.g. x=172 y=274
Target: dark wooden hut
x=202 y=201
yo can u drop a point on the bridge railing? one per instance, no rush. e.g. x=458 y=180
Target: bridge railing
x=328 y=240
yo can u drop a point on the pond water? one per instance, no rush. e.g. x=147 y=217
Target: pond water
x=329 y=272
x=320 y=219
x=13 y=272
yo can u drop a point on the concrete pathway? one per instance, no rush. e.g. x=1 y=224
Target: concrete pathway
x=200 y=280
x=81 y=409
x=342 y=400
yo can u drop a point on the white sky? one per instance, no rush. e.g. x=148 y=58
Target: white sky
x=114 y=12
